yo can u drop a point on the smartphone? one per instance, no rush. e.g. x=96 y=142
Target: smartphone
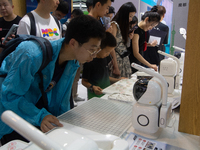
x=12 y=30
x=134 y=28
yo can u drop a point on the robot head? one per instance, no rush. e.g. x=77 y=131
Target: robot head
x=139 y=88
x=147 y=91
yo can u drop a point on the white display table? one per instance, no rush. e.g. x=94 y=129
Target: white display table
x=169 y=135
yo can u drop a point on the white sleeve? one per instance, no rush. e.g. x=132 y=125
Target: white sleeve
x=24 y=26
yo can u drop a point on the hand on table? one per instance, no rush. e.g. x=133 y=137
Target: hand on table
x=154 y=67
x=122 y=78
x=97 y=90
x=47 y=122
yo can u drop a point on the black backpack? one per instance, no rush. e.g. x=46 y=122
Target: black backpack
x=47 y=56
x=33 y=26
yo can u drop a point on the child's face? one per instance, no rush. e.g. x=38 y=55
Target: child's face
x=110 y=15
x=105 y=52
x=58 y=14
x=104 y=9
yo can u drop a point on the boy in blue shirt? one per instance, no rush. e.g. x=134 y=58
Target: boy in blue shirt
x=95 y=73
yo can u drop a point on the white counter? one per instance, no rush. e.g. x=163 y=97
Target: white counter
x=171 y=135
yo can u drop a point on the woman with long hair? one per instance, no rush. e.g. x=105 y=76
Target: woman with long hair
x=120 y=29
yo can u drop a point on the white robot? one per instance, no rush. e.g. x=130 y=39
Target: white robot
x=169 y=69
x=183 y=32
x=151 y=112
x=60 y=138
x=181 y=59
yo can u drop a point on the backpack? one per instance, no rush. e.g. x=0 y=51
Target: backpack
x=47 y=56
x=33 y=25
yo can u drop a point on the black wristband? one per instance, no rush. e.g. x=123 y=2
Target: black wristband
x=91 y=89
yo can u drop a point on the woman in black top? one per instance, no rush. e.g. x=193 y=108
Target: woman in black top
x=139 y=41
x=161 y=30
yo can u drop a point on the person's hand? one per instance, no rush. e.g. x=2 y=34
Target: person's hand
x=154 y=67
x=131 y=34
x=47 y=122
x=154 y=43
x=122 y=78
x=109 y=29
x=8 y=39
x=97 y=90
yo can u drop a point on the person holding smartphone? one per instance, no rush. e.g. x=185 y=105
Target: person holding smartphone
x=8 y=18
x=120 y=29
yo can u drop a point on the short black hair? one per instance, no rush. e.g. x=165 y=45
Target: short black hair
x=77 y=12
x=38 y=1
x=101 y=1
x=89 y=3
x=109 y=40
x=111 y=10
x=83 y=28
x=63 y=7
x=134 y=20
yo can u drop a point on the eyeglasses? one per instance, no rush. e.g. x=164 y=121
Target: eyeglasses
x=95 y=52
x=92 y=53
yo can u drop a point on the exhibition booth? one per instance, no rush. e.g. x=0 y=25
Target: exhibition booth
x=150 y=111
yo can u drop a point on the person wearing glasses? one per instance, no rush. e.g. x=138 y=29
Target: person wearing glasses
x=62 y=10
x=95 y=73
x=161 y=30
x=20 y=91
x=139 y=43
x=75 y=13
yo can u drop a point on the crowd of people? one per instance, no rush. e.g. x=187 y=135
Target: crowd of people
x=102 y=45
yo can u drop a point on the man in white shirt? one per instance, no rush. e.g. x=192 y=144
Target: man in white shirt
x=45 y=24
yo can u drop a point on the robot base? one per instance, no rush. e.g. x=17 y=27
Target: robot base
x=153 y=136
x=175 y=99
x=175 y=93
